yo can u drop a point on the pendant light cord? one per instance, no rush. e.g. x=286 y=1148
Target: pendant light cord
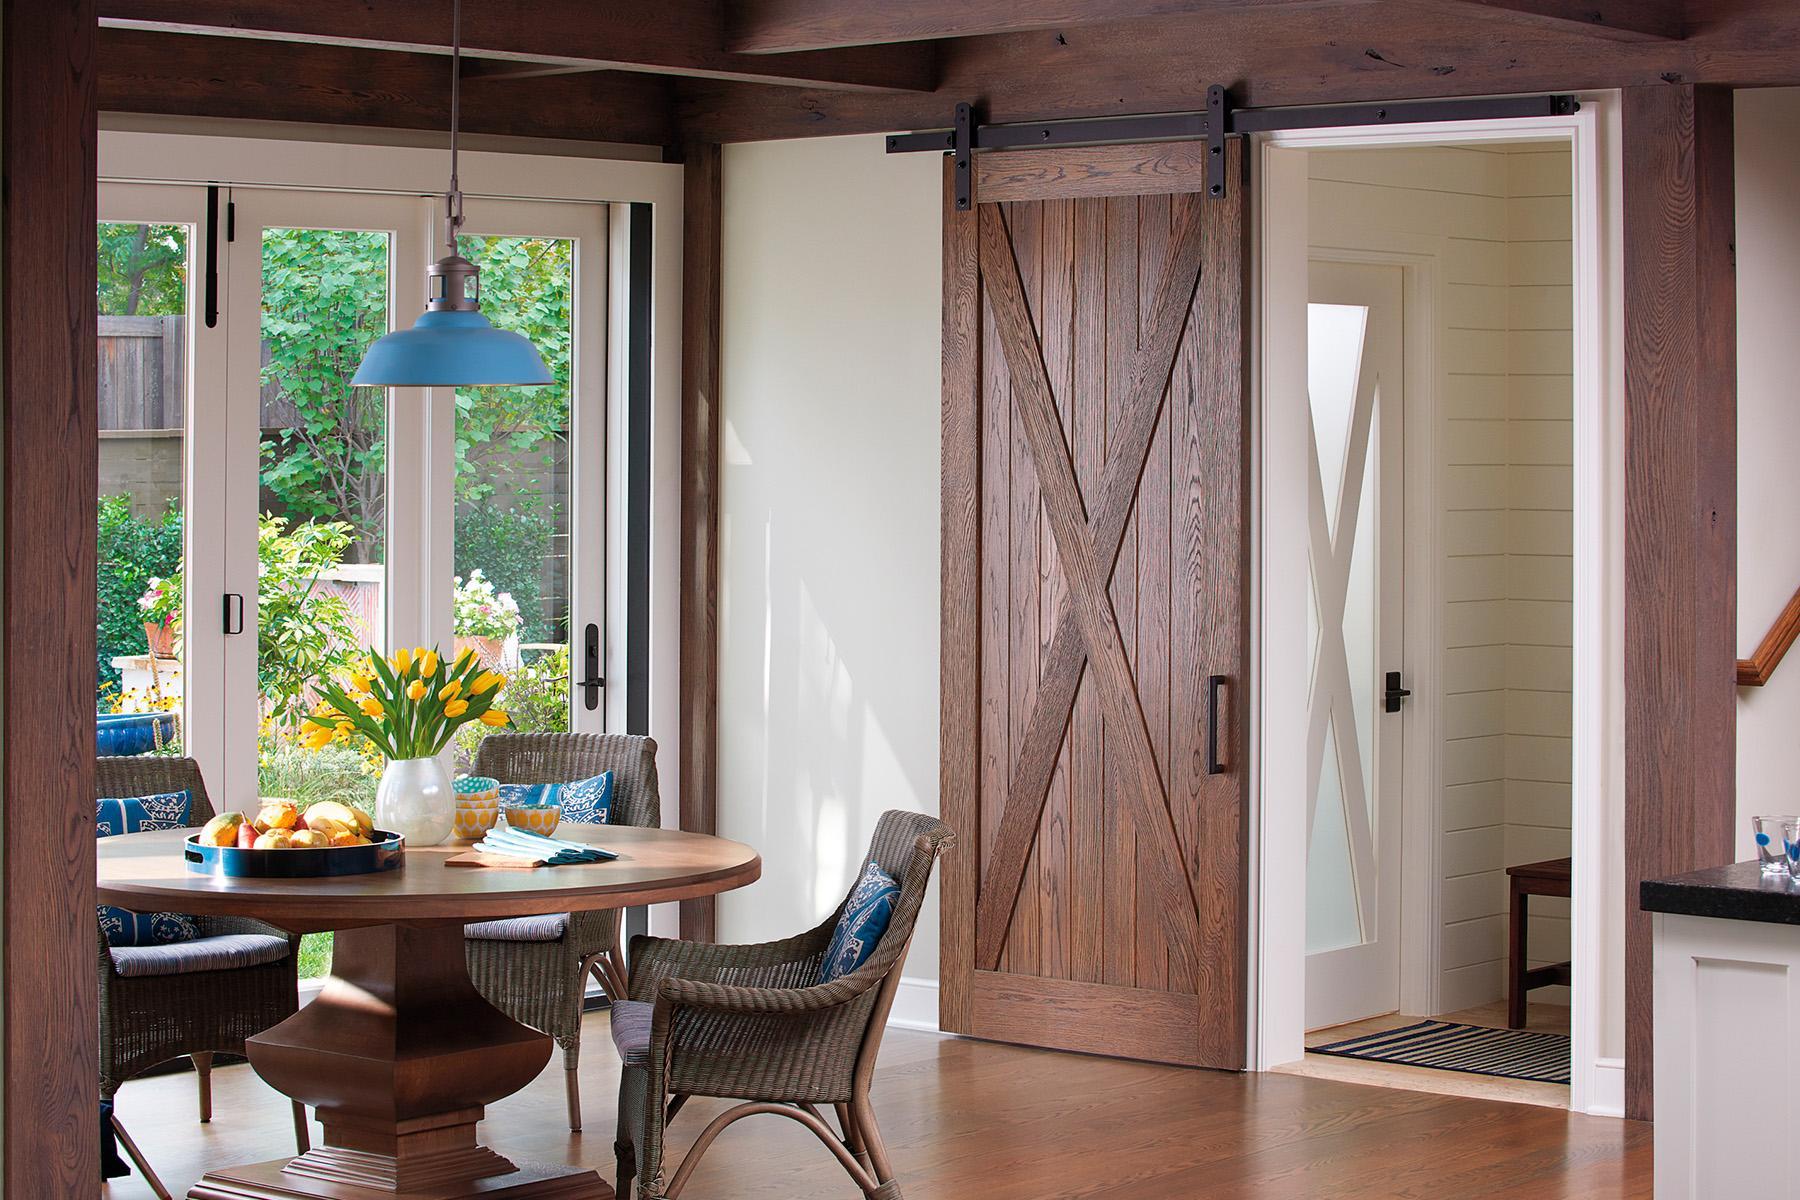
x=453 y=202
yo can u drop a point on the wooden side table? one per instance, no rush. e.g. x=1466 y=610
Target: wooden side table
x=1548 y=878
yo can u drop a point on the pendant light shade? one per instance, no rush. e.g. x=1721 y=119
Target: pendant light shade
x=452 y=344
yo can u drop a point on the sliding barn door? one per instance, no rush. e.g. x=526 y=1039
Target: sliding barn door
x=1094 y=664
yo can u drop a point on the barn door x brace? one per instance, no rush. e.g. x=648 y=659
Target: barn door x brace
x=1212 y=125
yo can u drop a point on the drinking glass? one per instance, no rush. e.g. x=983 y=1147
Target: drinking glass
x=1769 y=849
x=1790 y=845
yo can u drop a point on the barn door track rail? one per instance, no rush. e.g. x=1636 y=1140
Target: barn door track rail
x=1219 y=120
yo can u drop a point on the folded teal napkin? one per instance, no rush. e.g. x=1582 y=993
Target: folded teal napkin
x=555 y=852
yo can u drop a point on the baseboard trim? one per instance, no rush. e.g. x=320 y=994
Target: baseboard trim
x=1606 y=1088
x=916 y=1005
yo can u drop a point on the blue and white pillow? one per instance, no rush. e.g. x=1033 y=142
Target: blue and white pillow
x=585 y=802
x=140 y=814
x=864 y=919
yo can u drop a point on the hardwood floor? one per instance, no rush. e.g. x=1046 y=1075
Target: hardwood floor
x=1542 y=1018
x=967 y=1119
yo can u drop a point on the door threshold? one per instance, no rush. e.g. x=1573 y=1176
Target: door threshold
x=1540 y=1017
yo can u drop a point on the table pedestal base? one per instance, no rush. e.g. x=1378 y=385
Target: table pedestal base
x=398 y=1054
x=274 y=1181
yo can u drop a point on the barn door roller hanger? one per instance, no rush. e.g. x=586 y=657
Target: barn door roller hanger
x=1218 y=121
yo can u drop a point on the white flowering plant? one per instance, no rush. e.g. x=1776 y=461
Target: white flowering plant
x=481 y=612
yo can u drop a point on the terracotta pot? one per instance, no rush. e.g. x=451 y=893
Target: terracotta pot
x=162 y=639
x=490 y=650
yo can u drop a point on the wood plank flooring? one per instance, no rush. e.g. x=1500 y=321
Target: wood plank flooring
x=968 y=1119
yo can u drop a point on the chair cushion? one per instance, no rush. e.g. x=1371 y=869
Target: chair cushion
x=585 y=801
x=631 y=1030
x=547 y=928
x=137 y=814
x=863 y=921
x=226 y=952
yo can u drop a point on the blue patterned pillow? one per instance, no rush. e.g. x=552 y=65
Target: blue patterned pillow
x=139 y=814
x=585 y=802
x=864 y=920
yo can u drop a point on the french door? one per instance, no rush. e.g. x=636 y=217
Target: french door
x=1094 y=648
x=316 y=517
x=1356 y=519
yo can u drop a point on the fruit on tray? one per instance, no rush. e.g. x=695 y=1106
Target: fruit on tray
x=280 y=825
x=276 y=814
x=222 y=830
x=329 y=817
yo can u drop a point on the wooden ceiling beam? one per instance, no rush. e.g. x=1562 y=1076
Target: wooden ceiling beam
x=671 y=37
x=1268 y=57
x=790 y=26
x=169 y=74
x=1622 y=20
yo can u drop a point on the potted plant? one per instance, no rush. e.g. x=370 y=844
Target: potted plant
x=408 y=706
x=160 y=606
x=485 y=619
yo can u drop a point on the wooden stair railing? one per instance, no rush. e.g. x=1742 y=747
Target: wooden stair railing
x=1755 y=670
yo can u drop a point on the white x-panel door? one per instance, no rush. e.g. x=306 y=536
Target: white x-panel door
x=1353 y=749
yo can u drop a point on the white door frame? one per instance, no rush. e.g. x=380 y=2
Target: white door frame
x=1279 y=651
x=420 y=172
x=1419 y=260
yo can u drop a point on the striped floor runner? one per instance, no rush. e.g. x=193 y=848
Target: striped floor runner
x=1447 y=1046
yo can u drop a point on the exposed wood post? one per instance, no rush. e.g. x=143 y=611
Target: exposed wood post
x=49 y=447
x=700 y=426
x=1680 y=512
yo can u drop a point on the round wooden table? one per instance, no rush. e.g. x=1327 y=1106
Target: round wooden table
x=399 y=1053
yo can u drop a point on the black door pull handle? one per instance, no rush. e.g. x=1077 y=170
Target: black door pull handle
x=590 y=662
x=1213 y=685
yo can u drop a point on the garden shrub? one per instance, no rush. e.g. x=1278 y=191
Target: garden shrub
x=132 y=550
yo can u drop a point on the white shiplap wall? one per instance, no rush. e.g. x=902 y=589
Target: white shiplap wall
x=1496 y=220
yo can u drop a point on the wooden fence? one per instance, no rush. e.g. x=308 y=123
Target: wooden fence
x=143 y=372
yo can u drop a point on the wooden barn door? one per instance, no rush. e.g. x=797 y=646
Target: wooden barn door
x=1094 y=663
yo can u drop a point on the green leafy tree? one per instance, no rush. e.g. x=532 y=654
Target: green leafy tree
x=324 y=443
x=305 y=634
x=132 y=551
x=143 y=270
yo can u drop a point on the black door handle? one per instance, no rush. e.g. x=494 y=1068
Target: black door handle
x=1213 y=684
x=1393 y=695
x=590 y=662
x=233 y=615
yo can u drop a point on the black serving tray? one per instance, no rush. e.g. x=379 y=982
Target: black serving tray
x=385 y=853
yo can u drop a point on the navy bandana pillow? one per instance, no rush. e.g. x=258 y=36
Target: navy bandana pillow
x=139 y=814
x=864 y=920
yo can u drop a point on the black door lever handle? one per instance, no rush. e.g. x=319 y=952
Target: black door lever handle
x=1393 y=695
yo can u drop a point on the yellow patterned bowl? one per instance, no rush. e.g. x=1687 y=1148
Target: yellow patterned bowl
x=533 y=818
x=473 y=823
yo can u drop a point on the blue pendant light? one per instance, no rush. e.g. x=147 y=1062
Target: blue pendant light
x=452 y=344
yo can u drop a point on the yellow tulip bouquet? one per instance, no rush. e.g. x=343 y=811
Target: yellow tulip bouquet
x=409 y=704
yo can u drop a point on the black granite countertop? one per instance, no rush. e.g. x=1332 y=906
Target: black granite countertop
x=1740 y=892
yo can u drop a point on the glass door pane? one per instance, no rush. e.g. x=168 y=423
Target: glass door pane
x=527 y=556
x=144 y=294
x=321 y=494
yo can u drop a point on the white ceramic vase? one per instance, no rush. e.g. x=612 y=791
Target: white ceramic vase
x=415 y=801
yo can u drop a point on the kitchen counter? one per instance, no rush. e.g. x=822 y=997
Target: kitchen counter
x=1727 y=1030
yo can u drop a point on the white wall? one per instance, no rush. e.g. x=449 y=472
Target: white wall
x=1494 y=223
x=1768 y=271
x=828 y=642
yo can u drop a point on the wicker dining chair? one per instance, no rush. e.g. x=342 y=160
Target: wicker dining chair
x=753 y=1023
x=535 y=969
x=146 y=1019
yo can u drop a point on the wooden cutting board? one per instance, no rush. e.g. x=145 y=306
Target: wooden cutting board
x=476 y=858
